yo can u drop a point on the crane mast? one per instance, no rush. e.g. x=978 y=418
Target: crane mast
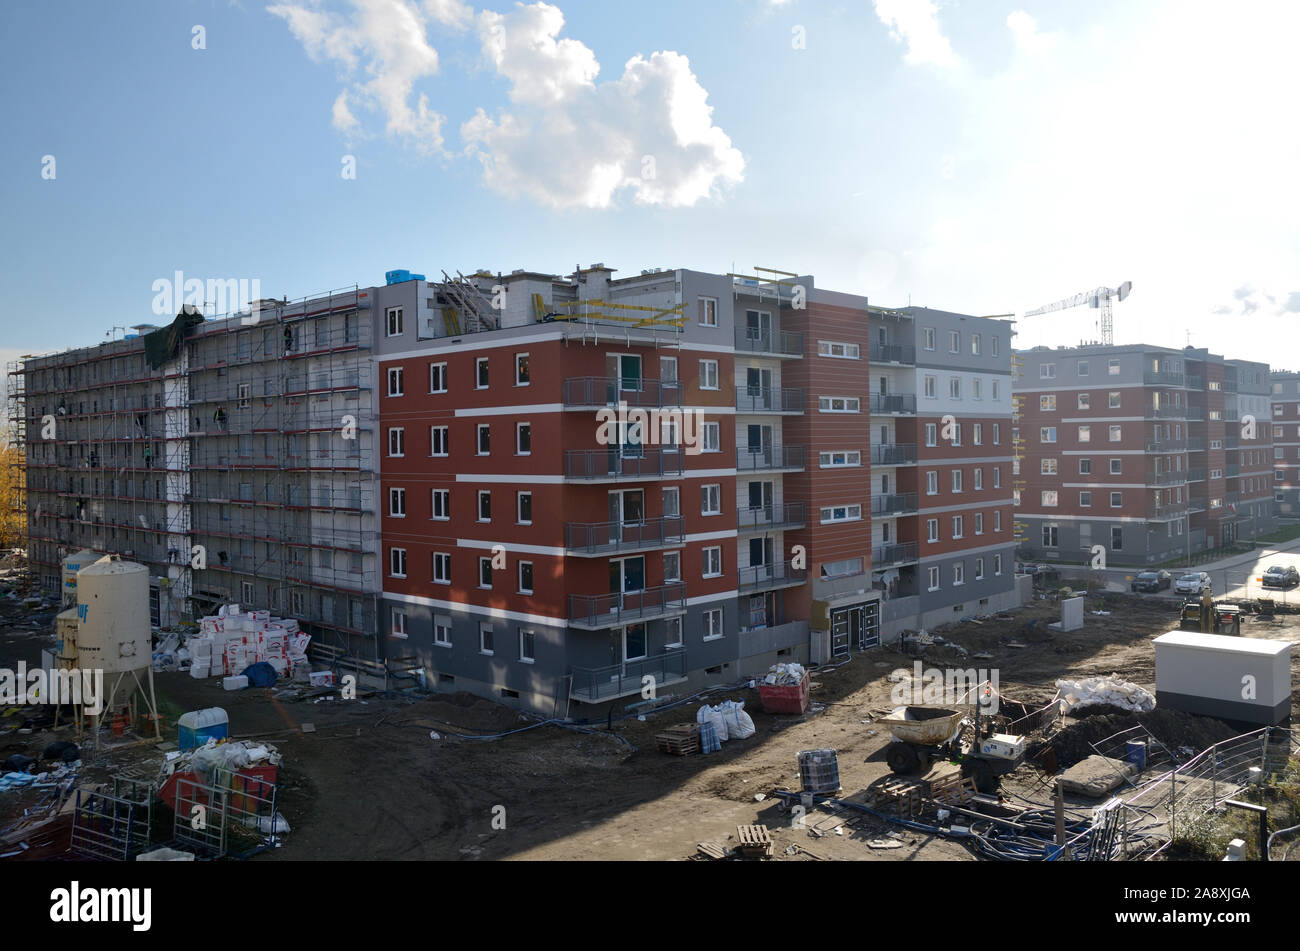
x=1100 y=298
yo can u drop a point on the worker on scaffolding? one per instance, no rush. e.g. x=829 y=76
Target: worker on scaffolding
x=148 y=458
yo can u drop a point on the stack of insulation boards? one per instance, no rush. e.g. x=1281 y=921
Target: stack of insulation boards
x=231 y=640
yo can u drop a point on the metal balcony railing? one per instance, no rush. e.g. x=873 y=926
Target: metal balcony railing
x=890 y=454
x=1167 y=445
x=1230 y=386
x=885 y=403
x=1164 y=512
x=1167 y=478
x=1162 y=378
x=1196 y=444
x=1232 y=469
x=596 y=684
x=1231 y=442
x=892 y=353
x=779 y=343
x=595 y=391
x=758 y=460
x=1233 y=497
x=615 y=463
x=1196 y=413
x=1166 y=412
x=887 y=555
x=1196 y=382
x=896 y=504
x=1195 y=475
x=771 y=517
x=761 y=399
x=593 y=538
x=598 y=611
x=776 y=575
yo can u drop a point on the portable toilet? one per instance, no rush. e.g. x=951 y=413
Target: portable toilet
x=198 y=726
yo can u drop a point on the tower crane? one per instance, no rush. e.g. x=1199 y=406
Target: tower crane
x=1100 y=298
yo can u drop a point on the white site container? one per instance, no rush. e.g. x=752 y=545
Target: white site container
x=1244 y=679
x=114 y=634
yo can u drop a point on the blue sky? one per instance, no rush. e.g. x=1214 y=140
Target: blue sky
x=983 y=157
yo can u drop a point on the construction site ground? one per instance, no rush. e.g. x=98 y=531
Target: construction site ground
x=369 y=782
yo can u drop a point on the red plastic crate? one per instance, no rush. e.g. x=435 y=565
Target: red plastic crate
x=791 y=699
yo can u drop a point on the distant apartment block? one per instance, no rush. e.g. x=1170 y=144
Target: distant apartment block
x=1285 y=420
x=1148 y=452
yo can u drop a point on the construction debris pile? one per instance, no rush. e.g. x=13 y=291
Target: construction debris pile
x=231 y=641
x=784 y=675
x=1111 y=691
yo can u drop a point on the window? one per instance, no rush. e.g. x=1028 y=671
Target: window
x=1216 y=443
x=975 y=344
x=521 y=369
x=979 y=569
x=484 y=440
x=838 y=404
x=437 y=378
x=397 y=562
x=1051 y=536
x=995 y=347
x=927 y=338
x=1085 y=500
x=525 y=577
x=842 y=351
x=997 y=565
x=956 y=480
x=712 y=437
x=1085 y=401
x=976 y=391
x=958 y=524
x=1117 y=467
x=979 y=434
x=713 y=624
x=481 y=376
x=932 y=578
x=712 y=561
x=1085 y=434
x=672 y=566
x=1116 y=538
x=441 y=499
x=931 y=434
x=437 y=440
x=245 y=391
x=836 y=460
x=523 y=439
x=442 y=630
x=485 y=505
x=1116 y=433
x=399 y=623
x=931 y=529
x=979 y=523
x=997 y=477
x=929 y=387
x=1047 y=434
x=485 y=572
x=1047 y=467
x=841 y=513
x=1116 y=500
x=1085 y=466
x=954 y=341
x=956 y=434
x=395 y=385
x=394 y=321
x=1047 y=402
x=524 y=508
x=673 y=632
x=671 y=499
x=959 y=573
x=708 y=374
x=997 y=434
x=997 y=520
x=441 y=568
x=485 y=639
x=932 y=482
x=1049 y=498
x=1112 y=367
x=993 y=385
x=954 y=387
x=1047 y=371
x=397 y=441
x=527 y=645
x=1113 y=400
x=708 y=312
x=397 y=503
x=1216 y=473
x=711 y=499
x=1083 y=368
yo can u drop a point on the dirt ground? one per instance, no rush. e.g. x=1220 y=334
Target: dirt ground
x=371 y=783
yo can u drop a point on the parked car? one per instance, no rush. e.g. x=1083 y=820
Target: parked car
x=1280 y=577
x=1194 y=582
x=1152 y=581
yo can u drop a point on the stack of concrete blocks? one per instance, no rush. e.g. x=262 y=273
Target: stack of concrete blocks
x=231 y=640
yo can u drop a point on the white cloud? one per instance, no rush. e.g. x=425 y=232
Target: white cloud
x=388 y=38
x=916 y=23
x=451 y=13
x=571 y=141
x=1024 y=29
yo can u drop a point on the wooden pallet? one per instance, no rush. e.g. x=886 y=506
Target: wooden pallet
x=680 y=740
x=903 y=796
x=753 y=841
x=953 y=789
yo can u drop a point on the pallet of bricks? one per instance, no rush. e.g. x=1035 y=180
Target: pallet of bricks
x=231 y=640
x=680 y=740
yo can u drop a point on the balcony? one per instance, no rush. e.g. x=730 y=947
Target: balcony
x=1167 y=478
x=1196 y=413
x=1233 y=497
x=842 y=586
x=1232 y=470
x=755 y=399
x=1195 y=475
x=887 y=556
x=770 y=577
x=596 y=391
x=1166 y=412
x=594 y=612
x=1231 y=442
x=897 y=504
x=890 y=454
x=619 y=465
x=893 y=353
x=1196 y=382
x=1230 y=386
x=771 y=518
x=1165 y=513
x=1162 y=378
x=605 y=538
x=1167 y=445
x=598 y=684
x=1196 y=444
x=893 y=404
x=773 y=343
x=771 y=459
x=1194 y=505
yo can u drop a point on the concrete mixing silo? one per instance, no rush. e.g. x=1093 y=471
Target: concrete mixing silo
x=114 y=633
x=71 y=565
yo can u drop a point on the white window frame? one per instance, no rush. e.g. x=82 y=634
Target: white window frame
x=396 y=502
x=709 y=375
x=396 y=556
x=445 y=496
x=523 y=358
x=479 y=430
x=394 y=319
x=712 y=620
x=711 y=555
x=438 y=370
x=441 y=559
x=711 y=493
x=396 y=439
x=434 y=433
x=396 y=381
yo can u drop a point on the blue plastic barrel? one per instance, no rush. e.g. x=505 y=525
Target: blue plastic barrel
x=1135 y=752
